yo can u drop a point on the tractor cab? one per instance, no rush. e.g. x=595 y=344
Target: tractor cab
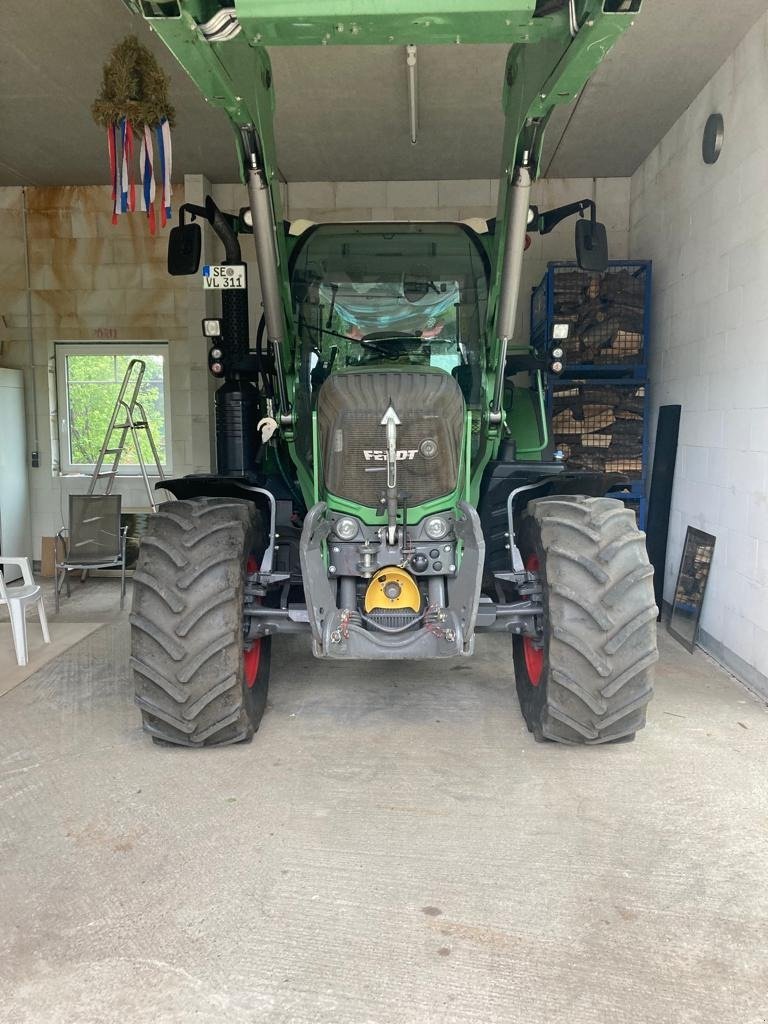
x=392 y=296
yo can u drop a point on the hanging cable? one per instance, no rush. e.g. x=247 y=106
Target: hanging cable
x=30 y=334
x=222 y=27
x=574 y=108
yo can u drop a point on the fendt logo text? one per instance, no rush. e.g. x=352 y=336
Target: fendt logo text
x=380 y=455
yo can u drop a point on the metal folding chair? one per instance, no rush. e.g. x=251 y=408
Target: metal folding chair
x=94 y=539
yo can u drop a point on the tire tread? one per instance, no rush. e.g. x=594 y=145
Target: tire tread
x=601 y=621
x=186 y=624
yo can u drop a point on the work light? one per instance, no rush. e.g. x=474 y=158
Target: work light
x=436 y=527
x=345 y=528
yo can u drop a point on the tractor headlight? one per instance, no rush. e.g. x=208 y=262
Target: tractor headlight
x=212 y=328
x=436 y=527
x=345 y=528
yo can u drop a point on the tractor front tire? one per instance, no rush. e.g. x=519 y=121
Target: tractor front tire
x=591 y=677
x=196 y=683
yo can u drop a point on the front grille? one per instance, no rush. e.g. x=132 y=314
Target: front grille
x=394 y=622
x=353 y=441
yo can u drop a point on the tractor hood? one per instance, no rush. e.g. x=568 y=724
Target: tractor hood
x=353 y=443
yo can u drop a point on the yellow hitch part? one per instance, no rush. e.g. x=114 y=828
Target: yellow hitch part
x=392 y=588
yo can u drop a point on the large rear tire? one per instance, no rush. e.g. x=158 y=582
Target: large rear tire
x=197 y=682
x=591 y=677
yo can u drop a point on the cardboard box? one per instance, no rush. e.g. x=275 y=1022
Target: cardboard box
x=48 y=557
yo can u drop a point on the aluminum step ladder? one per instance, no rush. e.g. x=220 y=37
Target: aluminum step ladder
x=114 y=444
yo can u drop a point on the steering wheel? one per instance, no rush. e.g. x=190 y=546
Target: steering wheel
x=392 y=343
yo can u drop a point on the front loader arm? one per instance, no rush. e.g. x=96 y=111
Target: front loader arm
x=237 y=76
x=538 y=79
x=555 y=46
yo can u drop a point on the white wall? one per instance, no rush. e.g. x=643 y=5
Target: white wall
x=706 y=229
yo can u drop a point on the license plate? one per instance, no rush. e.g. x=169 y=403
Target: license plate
x=222 y=275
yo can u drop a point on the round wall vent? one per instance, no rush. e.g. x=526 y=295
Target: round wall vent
x=712 y=140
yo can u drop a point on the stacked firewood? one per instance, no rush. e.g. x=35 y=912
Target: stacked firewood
x=599 y=426
x=605 y=314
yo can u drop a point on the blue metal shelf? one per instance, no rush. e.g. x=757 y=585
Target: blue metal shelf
x=566 y=293
x=587 y=371
x=604 y=313
x=633 y=496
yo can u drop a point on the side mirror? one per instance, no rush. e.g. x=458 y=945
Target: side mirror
x=591 y=246
x=184 y=245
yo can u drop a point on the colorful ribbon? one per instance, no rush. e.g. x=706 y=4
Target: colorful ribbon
x=163 y=131
x=168 y=150
x=123 y=168
x=129 y=154
x=147 y=178
x=112 y=148
x=118 y=169
x=120 y=145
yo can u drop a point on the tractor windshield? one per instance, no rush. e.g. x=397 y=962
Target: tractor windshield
x=390 y=295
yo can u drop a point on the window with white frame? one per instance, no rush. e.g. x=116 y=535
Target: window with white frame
x=88 y=380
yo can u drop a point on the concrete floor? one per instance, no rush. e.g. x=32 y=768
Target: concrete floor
x=393 y=848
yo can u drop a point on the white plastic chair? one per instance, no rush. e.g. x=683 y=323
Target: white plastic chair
x=18 y=598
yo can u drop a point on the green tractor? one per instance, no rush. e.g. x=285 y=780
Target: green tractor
x=386 y=484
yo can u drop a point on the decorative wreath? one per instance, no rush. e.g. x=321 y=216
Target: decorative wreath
x=134 y=87
x=134 y=99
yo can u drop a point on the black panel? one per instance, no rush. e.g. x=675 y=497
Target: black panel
x=660 y=501
x=621 y=6
x=234 y=322
x=237 y=439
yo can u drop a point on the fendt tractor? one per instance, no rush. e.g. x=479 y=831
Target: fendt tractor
x=386 y=481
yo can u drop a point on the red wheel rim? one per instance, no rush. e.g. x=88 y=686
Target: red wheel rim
x=252 y=655
x=534 y=656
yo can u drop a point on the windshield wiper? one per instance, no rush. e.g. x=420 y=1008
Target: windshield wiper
x=391 y=337
x=415 y=336
x=324 y=330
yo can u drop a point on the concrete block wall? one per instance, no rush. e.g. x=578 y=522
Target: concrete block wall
x=92 y=281
x=706 y=229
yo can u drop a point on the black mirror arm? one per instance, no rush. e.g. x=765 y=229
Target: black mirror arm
x=545 y=222
x=193 y=211
x=222 y=223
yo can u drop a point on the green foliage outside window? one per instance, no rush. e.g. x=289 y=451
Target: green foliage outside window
x=93 y=383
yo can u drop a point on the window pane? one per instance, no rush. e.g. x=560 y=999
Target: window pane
x=91 y=368
x=93 y=384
